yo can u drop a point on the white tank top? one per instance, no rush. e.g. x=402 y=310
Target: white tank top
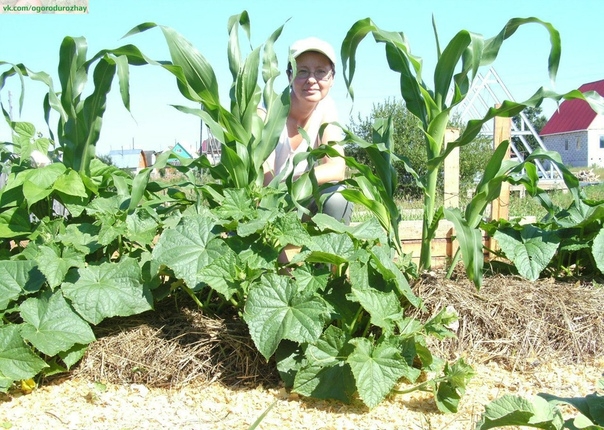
x=284 y=154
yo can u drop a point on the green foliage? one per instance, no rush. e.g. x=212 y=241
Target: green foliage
x=568 y=240
x=316 y=321
x=543 y=412
x=409 y=144
x=457 y=65
x=76 y=249
x=65 y=257
x=80 y=118
x=523 y=206
x=334 y=310
x=86 y=242
x=17 y=360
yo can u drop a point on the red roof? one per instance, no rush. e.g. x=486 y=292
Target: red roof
x=575 y=114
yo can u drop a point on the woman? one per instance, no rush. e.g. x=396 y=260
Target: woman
x=311 y=106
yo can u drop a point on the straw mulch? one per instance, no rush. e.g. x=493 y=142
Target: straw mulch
x=510 y=321
x=176 y=368
x=518 y=323
x=174 y=346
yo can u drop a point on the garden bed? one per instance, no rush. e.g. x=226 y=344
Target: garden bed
x=171 y=369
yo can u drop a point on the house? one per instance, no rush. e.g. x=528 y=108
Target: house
x=182 y=152
x=130 y=159
x=576 y=131
x=212 y=149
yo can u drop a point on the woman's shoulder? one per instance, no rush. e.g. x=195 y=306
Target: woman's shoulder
x=261 y=111
x=328 y=102
x=327 y=109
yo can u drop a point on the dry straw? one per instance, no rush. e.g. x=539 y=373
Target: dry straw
x=172 y=347
x=511 y=321
x=518 y=323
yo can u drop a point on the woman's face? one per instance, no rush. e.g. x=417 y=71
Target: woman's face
x=314 y=77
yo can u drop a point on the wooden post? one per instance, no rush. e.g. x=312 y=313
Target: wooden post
x=451 y=192
x=502 y=130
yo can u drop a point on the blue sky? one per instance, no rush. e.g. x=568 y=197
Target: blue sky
x=34 y=40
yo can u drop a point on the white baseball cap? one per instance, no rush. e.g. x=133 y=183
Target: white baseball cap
x=312 y=44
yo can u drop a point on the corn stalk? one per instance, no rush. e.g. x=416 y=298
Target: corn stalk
x=456 y=68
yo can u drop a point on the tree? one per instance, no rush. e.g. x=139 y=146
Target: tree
x=105 y=158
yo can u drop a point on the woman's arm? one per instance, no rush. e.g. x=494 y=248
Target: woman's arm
x=331 y=169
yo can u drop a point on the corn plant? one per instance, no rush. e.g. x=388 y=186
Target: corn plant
x=456 y=68
x=332 y=334
x=74 y=249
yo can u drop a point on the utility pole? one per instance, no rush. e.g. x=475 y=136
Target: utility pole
x=200 y=134
x=10 y=105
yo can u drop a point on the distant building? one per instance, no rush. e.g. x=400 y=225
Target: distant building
x=212 y=149
x=576 y=131
x=149 y=158
x=182 y=152
x=131 y=159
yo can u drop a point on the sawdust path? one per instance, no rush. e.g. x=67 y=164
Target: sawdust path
x=82 y=404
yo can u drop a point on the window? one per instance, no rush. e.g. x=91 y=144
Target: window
x=566 y=144
x=578 y=143
x=601 y=142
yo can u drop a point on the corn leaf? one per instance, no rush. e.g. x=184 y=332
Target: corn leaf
x=448 y=61
x=470 y=243
x=82 y=130
x=72 y=76
x=196 y=69
x=493 y=45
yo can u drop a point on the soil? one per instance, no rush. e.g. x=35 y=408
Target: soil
x=499 y=335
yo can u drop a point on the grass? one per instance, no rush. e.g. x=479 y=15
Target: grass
x=526 y=206
x=520 y=206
